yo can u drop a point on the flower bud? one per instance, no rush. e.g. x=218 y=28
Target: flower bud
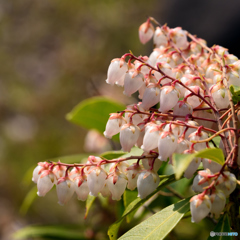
x=128 y=136
x=65 y=190
x=200 y=207
x=147 y=182
x=116 y=71
x=117 y=188
x=45 y=182
x=146 y=31
x=81 y=188
x=96 y=179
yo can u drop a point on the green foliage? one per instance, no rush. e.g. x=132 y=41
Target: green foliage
x=160 y=224
x=113 y=229
x=89 y=203
x=93 y=113
x=46 y=232
x=222 y=226
x=112 y=154
x=182 y=161
x=128 y=197
x=235 y=90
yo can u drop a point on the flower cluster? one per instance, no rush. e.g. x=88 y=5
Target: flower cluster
x=184 y=90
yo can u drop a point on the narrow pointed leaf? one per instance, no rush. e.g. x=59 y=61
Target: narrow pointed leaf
x=50 y=232
x=214 y=154
x=113 y=229
x=128 y=197
x=160 y=224
x=89 y=203
x=222 y=226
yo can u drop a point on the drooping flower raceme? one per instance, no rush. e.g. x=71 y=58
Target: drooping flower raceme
x=183 y=88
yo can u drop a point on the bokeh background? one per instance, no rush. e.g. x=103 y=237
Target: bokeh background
x=54 y=54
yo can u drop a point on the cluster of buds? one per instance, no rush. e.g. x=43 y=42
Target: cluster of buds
x=93 y=178
x=184 y=90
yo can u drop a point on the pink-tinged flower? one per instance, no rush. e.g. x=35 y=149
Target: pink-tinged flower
x=146 y=31
x=167 y=144
x=65 y=190
x=132 y=173
x=159 y=39
x=179 y=37
x=201 y=180
x=114 y=125
x=200 y=206
x=220 y=95
x=182 y=108
x=218 y=200
x=150 y=140
x=96 y=179
x=151 y=164
x=45 y=182
x=38 y=170
x=128 y=136
x=116 y=183
x=147 y=182
x=194 y=100
x=226 y=182
x=133 y=81
x=150 y=97
x=169 y=97
x=81 y=187
x=116 y=71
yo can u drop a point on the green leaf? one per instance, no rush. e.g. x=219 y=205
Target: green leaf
x=113 y=229
x=182 y=161
x=160 y=224
x=76 y=158
x=89 y=203
x=93 y=113
x=28 y=200
x=58 y=232
x=214 y=154
x=112 y=154
x=128 y=197
x=235 y=90
x=222 y=226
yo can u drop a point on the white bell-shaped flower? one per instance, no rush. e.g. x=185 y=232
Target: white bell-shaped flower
x=152 y=60
x=167 y=144
x=179 y=37
x=227 y=183
x=151 y=164
x=150 y=97
x=114 y=125
x=147 y=182
x=169 y=97
x=65 y=190
x=117 y=185
x=182 y=108
x=159 y=39
x=201 y=180
x=218 y=203
x=128 y=136
x=191 y=130
x=220 y=95
x=116 y=71
x=200 y=207
x=182 y=145
x=196 y=136
x=132 y=82
x=45 y=182
x=177 y=130
x=81 y=188
x=59 y=171
x=150 y=139
x=194 y=101
x=146 y=31
x=38 y=170
x=105 y=191
x=132 y=173
x=96 y=179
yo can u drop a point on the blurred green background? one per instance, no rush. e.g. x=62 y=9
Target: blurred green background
x=54 y=54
